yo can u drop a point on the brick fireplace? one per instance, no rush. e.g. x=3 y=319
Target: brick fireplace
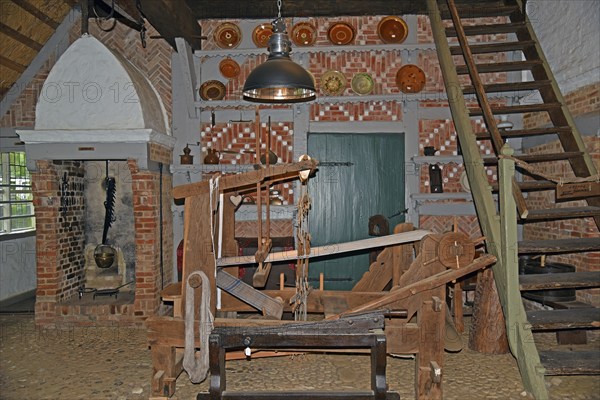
x=85 y=130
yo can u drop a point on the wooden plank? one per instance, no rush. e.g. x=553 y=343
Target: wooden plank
x=518 y=109
x=173 y=18
x=33 y=10
x=501 y=66
x=537 y=158
x=580 y=190
x=269 y=306
x=333 y=305
x=429 y=283
x=550 y=320
x=571 y=362
x=488 y=29
x=244 y=180
x=493 y=47
x=513 y=133
x=19 y=37
x=5 y=62
x=403 y=254
x=557 y=246
x=587 y=279
x=331 y=249
x=508 y=87
x=563 y=213
x=315 y=299
x=378 y=275
x=478 y=10
x=530 y=186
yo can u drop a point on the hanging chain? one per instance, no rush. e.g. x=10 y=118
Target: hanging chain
x=278 y=9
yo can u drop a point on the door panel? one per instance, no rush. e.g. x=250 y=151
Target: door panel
x=345 y=196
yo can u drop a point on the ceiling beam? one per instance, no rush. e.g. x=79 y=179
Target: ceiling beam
x=19 y=37
x=10 y=64
x=174 y=18
x=267 y=9
x=33 y=10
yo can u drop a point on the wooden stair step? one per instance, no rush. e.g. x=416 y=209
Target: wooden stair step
x=571 y=362
x=529 y=186
x=494 y=47
x=517 y=109
x=550 y=320
x=558 y=246
x=538 y=158
x=495 y=9
x=526 y=132
x=566 y=280
x=488 y=29
x=509 y=87
x=562 y=213
x=501 y=66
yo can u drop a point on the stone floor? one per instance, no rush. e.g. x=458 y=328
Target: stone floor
x=114 y=363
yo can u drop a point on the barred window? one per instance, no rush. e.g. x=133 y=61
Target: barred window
x=16 y=199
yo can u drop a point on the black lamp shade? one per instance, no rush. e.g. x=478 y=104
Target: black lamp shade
x=279 y=80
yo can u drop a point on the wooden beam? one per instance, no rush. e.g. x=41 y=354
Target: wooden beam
x=239 y=181
x=330 y=249
x=5 y=62
x=425 y=284
x=19 y=37
x=267 y=9
x=33 y=10
x=174 y=18
x=186 y=59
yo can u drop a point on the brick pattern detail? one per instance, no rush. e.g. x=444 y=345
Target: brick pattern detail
x=280 y=228
x=344 y=112
x=467 y=224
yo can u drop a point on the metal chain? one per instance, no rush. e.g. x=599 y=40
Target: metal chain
x=278 y=8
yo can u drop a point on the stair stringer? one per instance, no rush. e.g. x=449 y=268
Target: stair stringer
x=519 y=333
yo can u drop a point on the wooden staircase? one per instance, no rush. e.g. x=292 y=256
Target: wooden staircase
x=499 y=226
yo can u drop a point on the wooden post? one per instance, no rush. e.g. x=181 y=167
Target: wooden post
x=488 y=329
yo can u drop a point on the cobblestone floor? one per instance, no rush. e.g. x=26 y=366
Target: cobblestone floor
x=114 y=363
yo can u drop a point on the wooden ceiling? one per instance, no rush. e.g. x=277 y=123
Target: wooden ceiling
x=25 y=26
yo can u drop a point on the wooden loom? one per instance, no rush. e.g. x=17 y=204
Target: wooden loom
x=415 y=306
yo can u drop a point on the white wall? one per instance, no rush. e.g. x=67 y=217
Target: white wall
x=17 y=266
x=569 y=33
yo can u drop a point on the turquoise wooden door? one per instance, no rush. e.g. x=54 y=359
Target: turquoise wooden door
x=361 y=175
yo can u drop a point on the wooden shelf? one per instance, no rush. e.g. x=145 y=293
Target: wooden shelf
x=437 y=159
x=318 y=49
x=202 y=168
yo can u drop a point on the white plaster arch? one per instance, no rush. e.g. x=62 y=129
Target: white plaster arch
x=93 y=88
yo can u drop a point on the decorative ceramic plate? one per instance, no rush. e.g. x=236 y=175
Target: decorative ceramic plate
x=341 y=33
x=212 y=90
x=392 y=29
x=261 y=35
x=333 y=83
x=362 y=83
x=229 y=68
x=228 y=35
x=304 y=34
x=410 y=79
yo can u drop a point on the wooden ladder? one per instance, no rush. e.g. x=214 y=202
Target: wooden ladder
x=517 y=25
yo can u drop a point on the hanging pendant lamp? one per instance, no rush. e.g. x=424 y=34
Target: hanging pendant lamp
x=279 y=79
